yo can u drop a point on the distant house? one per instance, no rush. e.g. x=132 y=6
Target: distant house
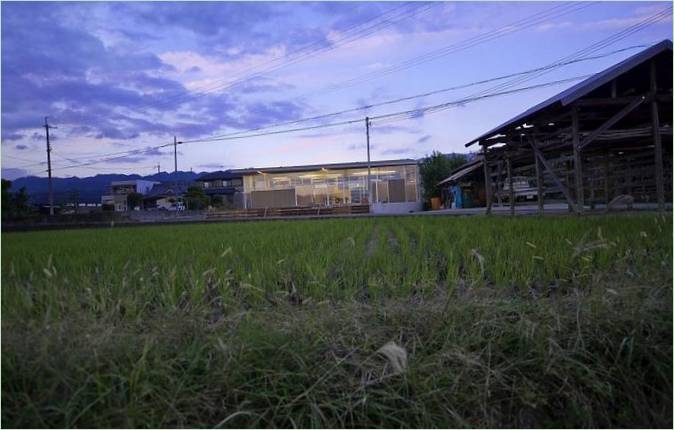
x=120 y=190
x=393 y=186
x=167 y=195
x=224 y=184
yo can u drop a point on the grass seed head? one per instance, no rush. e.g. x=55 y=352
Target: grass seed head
x=396 y=355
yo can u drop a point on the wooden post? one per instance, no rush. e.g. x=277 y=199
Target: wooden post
x=557 y=181
x=499 y=186
x=487 y=180
x=614 y=88
x=577 y=162
x=571 y=206
x=539 y=185
x=657 y=141
x=369 y=178
x=607 y=192
x=510 y=185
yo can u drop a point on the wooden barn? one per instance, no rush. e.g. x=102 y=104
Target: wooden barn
x=607 y=139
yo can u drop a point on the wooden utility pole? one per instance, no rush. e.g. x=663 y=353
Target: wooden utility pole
x=369 y=180
x=51 y=190
x=175 y=171
x=175 y=154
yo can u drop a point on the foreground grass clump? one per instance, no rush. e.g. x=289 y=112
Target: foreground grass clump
x=505 y=322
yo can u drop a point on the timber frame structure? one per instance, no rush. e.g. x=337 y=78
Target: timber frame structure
x=607 y=136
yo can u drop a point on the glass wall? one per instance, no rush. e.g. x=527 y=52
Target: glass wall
x=329 y=187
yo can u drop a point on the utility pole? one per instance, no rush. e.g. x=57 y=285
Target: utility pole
x=175 y=154
x=51 y=190
x=175 y=171
x=369 y=182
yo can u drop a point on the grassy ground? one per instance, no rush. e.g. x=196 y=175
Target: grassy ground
x=504 y=323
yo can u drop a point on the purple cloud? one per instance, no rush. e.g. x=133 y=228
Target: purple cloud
x=12 y=136
x=396 y=151
x=12 y=173
x=424 y=139
x=71 y=75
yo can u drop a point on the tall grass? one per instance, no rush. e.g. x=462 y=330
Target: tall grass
x=506 y=323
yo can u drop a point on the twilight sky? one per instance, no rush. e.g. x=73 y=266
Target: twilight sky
x=116 y=77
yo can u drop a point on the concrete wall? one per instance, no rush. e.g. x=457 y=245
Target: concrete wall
x=273 y=199
x=395 y=208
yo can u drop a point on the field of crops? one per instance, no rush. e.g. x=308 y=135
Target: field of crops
x=484 y=322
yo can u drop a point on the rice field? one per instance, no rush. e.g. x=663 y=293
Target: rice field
x=372 y=322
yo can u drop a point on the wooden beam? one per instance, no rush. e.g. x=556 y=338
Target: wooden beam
x=539 y=185
x=611 y=122
x=487 y=180
x=510 y=186
x=657 y=142
x=605 y=101
x=577 y=161
x=559 y=183
x=607 y=196
x=498 y=182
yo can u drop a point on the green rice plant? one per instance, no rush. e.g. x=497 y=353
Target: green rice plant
x=504 y=322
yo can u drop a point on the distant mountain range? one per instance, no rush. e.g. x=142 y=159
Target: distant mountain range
x=89 y=189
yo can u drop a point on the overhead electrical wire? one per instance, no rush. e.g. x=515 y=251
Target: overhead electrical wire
x=533 y=19
x=576 y=55
x=427 y=109
x=513 y=27
x=388 y=117
x=333 y=114
x=614 y=38
x=97 y=168
x=33 y=162
x=410 y=113
x=242 y=78
x=422 y=95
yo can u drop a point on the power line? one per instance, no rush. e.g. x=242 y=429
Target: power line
x=373 y=118
x=103 y=168
x=590 y=49
x=246 y=133
x=513 y=27
x=502 y=88
x=417 y=96
x=359 y=34
x=402 y=115
x=518 y=25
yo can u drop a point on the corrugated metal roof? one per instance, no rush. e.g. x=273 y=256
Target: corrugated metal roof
x=582 y=88
x=463 y=170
